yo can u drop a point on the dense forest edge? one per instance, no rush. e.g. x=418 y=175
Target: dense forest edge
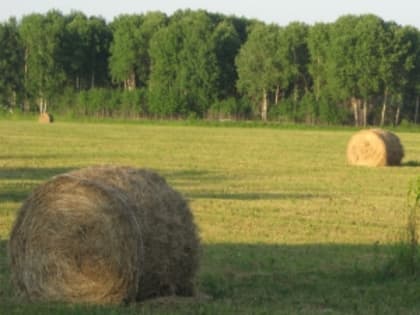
x=359 y=70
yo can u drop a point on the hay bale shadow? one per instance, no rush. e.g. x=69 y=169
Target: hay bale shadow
x=188 y=177
x=253 y=196
x=32 y=173
x=411 y=163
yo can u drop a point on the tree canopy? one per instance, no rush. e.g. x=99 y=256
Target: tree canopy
x=358 y=70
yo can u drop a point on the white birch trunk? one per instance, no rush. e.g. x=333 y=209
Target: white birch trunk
x=264 y=107
x=384 y=105
x=355 y=105
x=397 y=116
x=365 y=104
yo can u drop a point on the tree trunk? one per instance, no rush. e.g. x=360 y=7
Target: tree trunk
x=295 y=99
x=383 y=111
x=264 y=107
x=131 y=81
x=397 y=116
x=317 y=82
x=355 y=105
x=13 y=100
x=26 y=62
x=42 y=105
x=295 y=94
x=365 y=113
x=416 y=113
x=277 y=96
x=92 y=80
x=26 y=106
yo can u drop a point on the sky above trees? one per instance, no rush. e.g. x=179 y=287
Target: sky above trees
x=404 y=12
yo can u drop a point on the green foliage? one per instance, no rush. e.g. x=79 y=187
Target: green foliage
x=342 y=75
x=369 y=32
x=318 y=46
x=294 y=58
x=308 y=109
x=258 y=64
x=196 y=63
x=227 y=42
x=86 y=51
x=184 y=66
x=101 y=103
x=125 y=47
x=42 y=37
x=11 y=64
x=230 y=108
x=130 y=60
x=133 y=103
x=65 y=103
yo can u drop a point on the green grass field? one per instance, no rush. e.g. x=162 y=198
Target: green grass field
x=287 y=227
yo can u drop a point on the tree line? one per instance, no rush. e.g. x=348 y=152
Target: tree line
x=357 y=70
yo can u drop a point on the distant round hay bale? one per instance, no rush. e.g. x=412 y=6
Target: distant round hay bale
x=170 y=237
x=374 y=147
x=76 y=240
x=45 y=118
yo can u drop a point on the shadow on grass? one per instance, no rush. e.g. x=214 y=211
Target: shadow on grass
x=30 y=157
x=263 y=278
x=253 y=196
x=31 y=173
x=193 y=178
x=340 y=278
x=14 y=181
x=16 y=191
x=42 y=173
x=411 y=163
x=14 y=196
x=190 y=177
x=4 y=272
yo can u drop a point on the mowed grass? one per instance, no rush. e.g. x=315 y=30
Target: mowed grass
x=287 y=227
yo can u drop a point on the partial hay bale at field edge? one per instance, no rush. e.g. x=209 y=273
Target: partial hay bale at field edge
x=45 y=118
x=75 y=240
x=374 y=147
x=171 y=242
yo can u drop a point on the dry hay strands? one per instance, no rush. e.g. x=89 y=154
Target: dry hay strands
x=45 y=118
x=76 y=240
x=170 y=237
x=374 y=147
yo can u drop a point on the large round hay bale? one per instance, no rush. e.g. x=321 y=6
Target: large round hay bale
x=76 y=240
x=45 y=118
x=170 y=238
x=374 y=147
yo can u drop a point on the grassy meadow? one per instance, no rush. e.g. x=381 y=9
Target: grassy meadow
x=286 y=226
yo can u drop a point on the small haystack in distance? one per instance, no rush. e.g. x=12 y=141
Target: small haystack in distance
x=76 y=240
x=45 y=118
x=374 y=147
x=170 y=237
